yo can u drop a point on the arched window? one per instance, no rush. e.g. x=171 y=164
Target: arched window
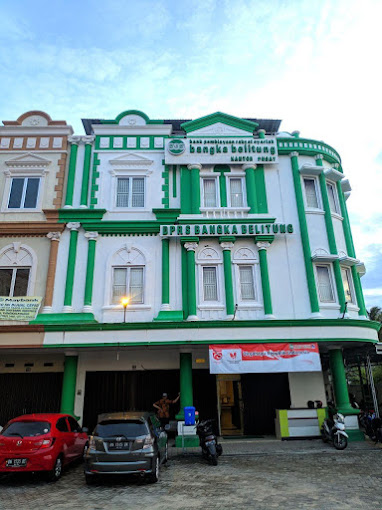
x=16 y=263
x=128 y=276
x=246 y=275
x=209 y=262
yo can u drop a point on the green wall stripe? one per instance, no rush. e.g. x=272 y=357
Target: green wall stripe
x=315 y=308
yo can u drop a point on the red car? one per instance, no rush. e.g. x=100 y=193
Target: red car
x=41 y=442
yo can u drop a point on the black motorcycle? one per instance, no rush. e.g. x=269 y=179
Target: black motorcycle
x=211 y=450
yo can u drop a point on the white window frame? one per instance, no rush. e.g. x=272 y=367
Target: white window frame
x=23 y=173
x=20 y=256
x=337 y=211
x=252 y=260
x=243 y=191
x=331 y=281
x=317 y=190
x=22 y=207
x=353 y=301
x=128 y=269
x=13 y=280
x=212 y=262
x=217 y=191
x=130 y=195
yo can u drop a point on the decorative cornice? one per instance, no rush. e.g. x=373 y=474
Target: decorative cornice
x=190 y=246
x=28 y=160
x=263 y=245
x=198 y=166
x=53 y=236
x=73 y=225
x=91 y=236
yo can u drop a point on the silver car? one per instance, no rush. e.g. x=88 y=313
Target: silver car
x=126 y=443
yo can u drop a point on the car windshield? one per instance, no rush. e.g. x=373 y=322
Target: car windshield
x=26 y=429
x=127 y=428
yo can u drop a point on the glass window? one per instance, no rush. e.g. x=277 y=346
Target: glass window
x=325 y=288
x=332 y=198
x=247 y=287
x=129 y=429
x=347 y=283
x=236 y=192
x=311 y=193
x=210 y=284
x=14 y=282
x=24 y=193
x=74 y=426
x=26 y=429
x=62 y=425
x=131 y=279
x=209 y=192
x=130 y=192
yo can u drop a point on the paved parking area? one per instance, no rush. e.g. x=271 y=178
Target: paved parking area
x=252 y=474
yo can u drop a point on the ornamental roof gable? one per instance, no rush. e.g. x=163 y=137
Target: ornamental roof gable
x=28 y=159
x=220 y=124
x=130 y=159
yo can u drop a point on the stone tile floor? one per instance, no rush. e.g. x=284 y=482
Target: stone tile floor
x=254 y=474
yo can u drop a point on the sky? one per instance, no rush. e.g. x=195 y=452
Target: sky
x=315 y=64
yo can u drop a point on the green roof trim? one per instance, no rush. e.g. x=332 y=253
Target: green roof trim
x=208 y=120
x=81 y=215
x=308 y=147
x=218 y=324
x=131 y=112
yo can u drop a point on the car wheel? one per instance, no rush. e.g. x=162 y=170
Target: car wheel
x=56 y=472
x=154 y=477
x=165 y=454
x=90 y=479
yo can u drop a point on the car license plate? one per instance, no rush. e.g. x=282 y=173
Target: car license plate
x=119 y=446
x=16 y=462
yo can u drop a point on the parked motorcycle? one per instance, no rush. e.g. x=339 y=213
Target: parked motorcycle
x=333 y=431
x=211 y=449
x=371 y=425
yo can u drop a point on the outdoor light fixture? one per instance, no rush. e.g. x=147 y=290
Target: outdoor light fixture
x=124 y=302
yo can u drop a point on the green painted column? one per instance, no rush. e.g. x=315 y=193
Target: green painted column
x=251 y=187
x=165 y=274
x=92 y=240
x=185 y=190
x=223 y=190
x=69 y=385
x=262 y=247
x=186 y=398
x=351 y=252
x=191 y=282
x=339 y=382
x=261 y=192
x=74 y=142
x=331 y=236
x=195 y=188
x=313 y=297
x=73 y=227
x=86 y=171
x=228 y=284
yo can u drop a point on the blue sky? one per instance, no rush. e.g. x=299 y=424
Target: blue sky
x=314 y=64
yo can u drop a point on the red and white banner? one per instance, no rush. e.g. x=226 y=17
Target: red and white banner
x=264 y=358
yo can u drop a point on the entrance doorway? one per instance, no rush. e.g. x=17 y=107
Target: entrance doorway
x=230 y=404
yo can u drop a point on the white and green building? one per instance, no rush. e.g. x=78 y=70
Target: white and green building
x=219 y=230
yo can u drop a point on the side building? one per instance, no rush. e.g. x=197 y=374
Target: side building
x=231 y=242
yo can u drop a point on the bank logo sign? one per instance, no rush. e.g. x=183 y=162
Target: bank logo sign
x=176 y=147
x=227 y=150
x=247 y=229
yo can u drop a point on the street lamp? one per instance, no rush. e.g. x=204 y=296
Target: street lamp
x=124 y=302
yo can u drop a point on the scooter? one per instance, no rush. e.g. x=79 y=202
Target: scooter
x=211 y=449
x=334 y=432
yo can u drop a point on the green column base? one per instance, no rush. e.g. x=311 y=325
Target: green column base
x=170 y=315
x=187 y=441
x=355 y=435
x=64 y=318
x=180 y=415
x=347 y=410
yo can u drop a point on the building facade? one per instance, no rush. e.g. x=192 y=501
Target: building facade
x=217 y=231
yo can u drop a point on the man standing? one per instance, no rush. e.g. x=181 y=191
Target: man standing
x=163 y=408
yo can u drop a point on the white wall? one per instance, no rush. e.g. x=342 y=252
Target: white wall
x=306 y=386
